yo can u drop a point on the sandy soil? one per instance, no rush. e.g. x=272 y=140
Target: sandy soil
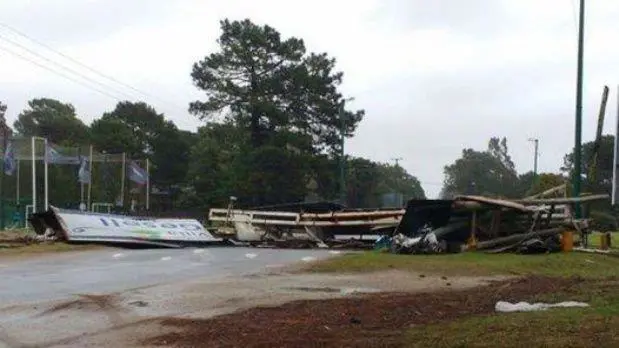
x=141 y=316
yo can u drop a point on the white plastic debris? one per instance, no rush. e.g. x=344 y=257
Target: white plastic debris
x=251 y=255
x=308 y=259
x=507 y=307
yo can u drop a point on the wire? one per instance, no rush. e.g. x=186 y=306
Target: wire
x=80 y=63
x=63 y=67
x=58 y=73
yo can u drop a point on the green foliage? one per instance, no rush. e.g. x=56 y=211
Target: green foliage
x=275 y=121
x=601 y=181
x=546 y=181
x=140 y=131
x=269 y=85
x=490 y=172
x=53 y=120
x=2 y=110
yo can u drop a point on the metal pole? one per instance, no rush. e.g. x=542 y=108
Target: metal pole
x=122 y=180
x=4 y=144
x=17 y=182
x=578 y=124
x=46 y=176
x=34 y=174
x=88 y=208
x=147 y=184
x=342 y=159
x=615 y=196
x=536 y=156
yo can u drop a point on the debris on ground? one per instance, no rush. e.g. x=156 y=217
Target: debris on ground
x=370 y=320
x=507 y=307
x=530 y=225
x=87 y=227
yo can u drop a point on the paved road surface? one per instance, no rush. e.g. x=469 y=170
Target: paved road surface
x=59 y=276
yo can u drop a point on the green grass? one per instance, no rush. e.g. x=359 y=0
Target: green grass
x=477 y=264
x=597 y=326
x=595 y=242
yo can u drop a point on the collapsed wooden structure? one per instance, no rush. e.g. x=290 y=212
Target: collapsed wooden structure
x=473 y=220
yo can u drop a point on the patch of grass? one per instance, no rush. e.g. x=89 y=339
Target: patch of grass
x=595 y=242
x=553 y=328
x=596 y=326
x=477 y=264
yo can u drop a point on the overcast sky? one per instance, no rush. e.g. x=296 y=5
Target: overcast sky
x=434 y=76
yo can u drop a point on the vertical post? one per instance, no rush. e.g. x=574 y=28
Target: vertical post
x=615 y=195
x=122 y=180
x=46 y=176
x=34 y=174
x=578 y=122
x=4 y=145
x=536 y=156
x=342 y=158
x=18 y=183
x=88 y=207
x=147 y=184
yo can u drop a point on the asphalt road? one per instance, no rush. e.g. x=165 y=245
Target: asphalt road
x=60 y=276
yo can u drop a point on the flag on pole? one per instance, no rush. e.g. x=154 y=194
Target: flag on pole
x=9 y=159
x=52 y=155
x=83 y=174
x=137 y=174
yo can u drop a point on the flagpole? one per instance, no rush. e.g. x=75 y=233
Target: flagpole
x=46 y=176
x=17 y=184
x=147 y=184
x=122 y=179
x=34 y=174
x=615 y=193
x=89 y=178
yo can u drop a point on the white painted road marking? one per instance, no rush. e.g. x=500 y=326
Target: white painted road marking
x=117 y=256
x=308 y=259
x=251 y=255
x=166 y=258
x=199 y=251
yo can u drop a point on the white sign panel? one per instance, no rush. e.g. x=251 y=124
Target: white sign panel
x=120 y=228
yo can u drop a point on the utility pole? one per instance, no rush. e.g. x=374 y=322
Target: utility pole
x=397 y=160
x=342 y=115
x=578 y=122
x=5 y=132
x=536 y=142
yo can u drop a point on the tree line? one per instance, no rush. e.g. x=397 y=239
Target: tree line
x=273 y=126
x=274 y=121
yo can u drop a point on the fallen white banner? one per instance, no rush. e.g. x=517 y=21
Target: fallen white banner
x=92 y=227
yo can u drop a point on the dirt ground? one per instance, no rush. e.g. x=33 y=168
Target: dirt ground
x=375 y=320
x=141 y=316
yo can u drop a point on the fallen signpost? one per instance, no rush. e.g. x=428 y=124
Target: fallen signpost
x=77 y=226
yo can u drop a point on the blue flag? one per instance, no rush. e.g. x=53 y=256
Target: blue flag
x=137 y=174
x=53 y=156
x=9 y=159
x=83 y=174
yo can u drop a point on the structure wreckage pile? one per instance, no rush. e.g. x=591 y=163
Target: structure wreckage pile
x=532 y=224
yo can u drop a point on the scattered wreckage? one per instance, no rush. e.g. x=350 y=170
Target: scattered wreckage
x=321 y=224
x=80 y=227
x=532 y=224
x=527 y=225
